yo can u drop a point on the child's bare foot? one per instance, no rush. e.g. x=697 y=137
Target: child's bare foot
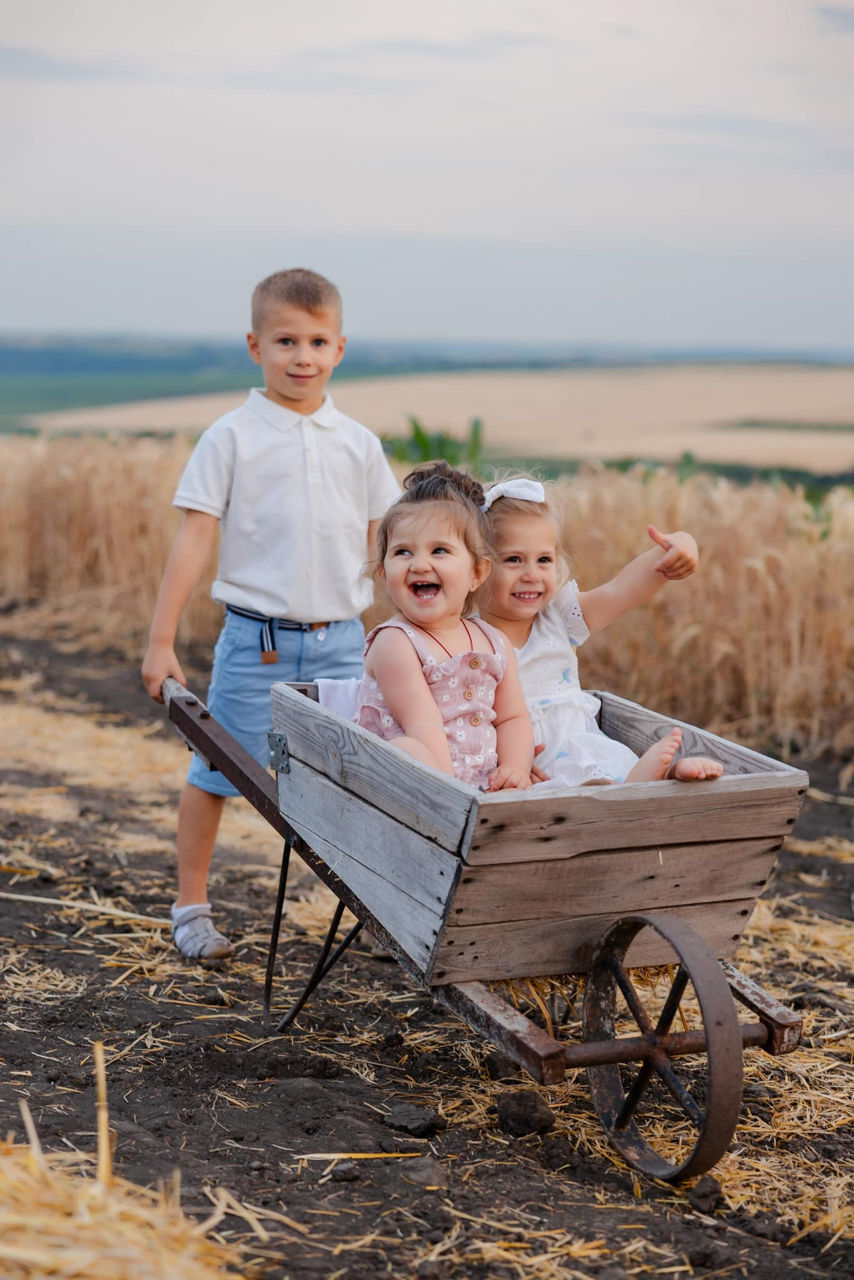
x=657 y=760
x=694 y=769
x=660 y=762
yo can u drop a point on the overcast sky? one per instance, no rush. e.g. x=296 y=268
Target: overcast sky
x=646 y=171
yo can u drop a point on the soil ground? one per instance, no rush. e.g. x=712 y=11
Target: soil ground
x=88 y=789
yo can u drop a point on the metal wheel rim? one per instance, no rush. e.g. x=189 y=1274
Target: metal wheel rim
x=723 y=1048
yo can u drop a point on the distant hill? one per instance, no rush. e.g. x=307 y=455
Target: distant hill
x=40 y=374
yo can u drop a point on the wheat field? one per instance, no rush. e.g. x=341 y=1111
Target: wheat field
x=758 y=645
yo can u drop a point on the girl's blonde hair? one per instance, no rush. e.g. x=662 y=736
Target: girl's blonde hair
x=506 y=506
x=459 y=498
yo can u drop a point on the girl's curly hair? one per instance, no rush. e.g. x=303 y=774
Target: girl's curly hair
x=459 y=498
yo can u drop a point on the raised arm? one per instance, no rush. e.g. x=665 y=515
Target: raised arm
x=674 y=557
x=396 y=667
x=190 y=553
x=513 y=731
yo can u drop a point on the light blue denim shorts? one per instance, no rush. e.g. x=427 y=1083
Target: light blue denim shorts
x=239 y=695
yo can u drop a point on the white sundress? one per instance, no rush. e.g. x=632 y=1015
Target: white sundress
x=562 y=713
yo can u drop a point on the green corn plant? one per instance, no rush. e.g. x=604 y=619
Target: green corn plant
x=422 y=445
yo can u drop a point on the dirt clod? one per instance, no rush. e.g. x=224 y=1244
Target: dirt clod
x=523 y=1112
x=706 y=1196
x=420 y=1122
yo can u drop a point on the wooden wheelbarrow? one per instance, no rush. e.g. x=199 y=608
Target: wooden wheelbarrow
x=467 y=889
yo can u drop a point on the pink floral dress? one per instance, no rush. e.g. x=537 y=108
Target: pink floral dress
x=464 y=689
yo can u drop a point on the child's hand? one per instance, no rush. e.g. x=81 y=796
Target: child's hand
x=681 y=557
x=505 y=778
x=159 y=662
x=537 y=775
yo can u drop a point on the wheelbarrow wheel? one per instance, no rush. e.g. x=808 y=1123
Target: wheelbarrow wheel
x=674 y=1113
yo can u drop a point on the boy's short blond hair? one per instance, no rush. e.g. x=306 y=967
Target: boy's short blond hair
x=296 y=287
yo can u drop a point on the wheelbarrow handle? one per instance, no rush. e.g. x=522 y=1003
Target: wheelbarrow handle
x=172 y=688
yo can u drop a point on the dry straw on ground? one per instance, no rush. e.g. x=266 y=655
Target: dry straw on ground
x=57 y=1220
x=804 y=1097
x=777 y=1166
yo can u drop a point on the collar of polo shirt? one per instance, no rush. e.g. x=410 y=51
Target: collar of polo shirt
x=279 y=416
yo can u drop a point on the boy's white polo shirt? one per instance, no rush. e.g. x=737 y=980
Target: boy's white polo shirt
x=293 y=496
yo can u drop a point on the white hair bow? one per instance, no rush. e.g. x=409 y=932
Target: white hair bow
x=527 y=490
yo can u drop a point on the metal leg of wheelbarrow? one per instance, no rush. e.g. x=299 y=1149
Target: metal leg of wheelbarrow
x=325 y=961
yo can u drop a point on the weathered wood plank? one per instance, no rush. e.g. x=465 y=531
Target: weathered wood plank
x=430 y=803
x=534 y=827
x=637 y=727
x=537 y=948
x=620 y=881
x=402 y=878
x=415 y=865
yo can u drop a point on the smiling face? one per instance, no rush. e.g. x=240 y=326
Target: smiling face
x=524 y=574
x=298 y=351
x=428 y=570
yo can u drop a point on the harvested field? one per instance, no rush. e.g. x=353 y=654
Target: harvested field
x=293 y=1142
x=655 y=412
x=293 y=1150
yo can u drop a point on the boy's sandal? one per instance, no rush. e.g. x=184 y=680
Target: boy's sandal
x=197 y=938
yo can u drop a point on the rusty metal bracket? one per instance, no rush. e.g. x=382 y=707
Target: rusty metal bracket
x=784 y=1026
x=173 y=690
x=509 y=1030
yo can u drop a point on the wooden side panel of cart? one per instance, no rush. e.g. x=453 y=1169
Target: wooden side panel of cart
x=476 y=886
x=390 y=828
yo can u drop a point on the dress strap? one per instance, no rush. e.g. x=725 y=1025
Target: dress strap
x=468 y=636
x=483 y=631
x=432 y=637
x=410 y=630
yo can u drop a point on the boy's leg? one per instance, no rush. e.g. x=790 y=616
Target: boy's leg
x=199 y=815
x=193 y=930
x=239 y=698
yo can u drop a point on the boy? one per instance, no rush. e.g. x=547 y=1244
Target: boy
x=297 y=489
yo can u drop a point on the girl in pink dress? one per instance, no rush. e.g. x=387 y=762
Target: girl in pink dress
x=440 y=684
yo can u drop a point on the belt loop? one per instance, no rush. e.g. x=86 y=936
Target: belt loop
x=268 y=643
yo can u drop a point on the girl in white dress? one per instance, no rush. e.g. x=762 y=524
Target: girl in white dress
x=546 y=624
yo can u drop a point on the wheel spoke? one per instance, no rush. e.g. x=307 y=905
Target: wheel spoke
x=671 y=1004
x=632 y=998
x=662 y=1067
x=634 y=1095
